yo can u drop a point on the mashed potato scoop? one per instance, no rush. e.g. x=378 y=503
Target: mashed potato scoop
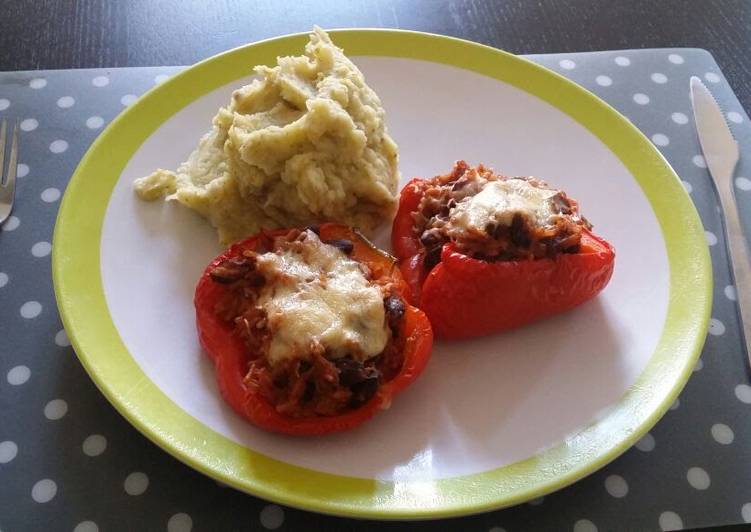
x=305 y=142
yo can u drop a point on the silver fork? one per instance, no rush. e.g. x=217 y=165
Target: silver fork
x=7 y=179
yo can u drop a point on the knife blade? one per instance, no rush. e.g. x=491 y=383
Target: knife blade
x=721 y=154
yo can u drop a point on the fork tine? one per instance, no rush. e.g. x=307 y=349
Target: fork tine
x=10 y=178
x=8 y=189
x=2 y=149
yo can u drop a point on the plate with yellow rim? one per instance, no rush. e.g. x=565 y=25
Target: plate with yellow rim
x=493 y=421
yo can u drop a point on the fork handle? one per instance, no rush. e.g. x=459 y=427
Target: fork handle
x=740 y=260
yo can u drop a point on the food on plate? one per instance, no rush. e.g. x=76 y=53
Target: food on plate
x=310 y=330
x=305 y=142
x=484 y=253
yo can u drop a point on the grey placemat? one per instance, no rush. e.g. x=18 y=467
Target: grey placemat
x=68 y=461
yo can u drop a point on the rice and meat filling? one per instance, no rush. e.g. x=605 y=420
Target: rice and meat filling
x=496 y=218
x=322 y=336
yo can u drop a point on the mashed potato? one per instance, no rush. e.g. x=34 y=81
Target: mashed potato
x=304 y=143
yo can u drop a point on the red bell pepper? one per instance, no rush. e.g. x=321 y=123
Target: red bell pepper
x=465 y=297
x=230 y=355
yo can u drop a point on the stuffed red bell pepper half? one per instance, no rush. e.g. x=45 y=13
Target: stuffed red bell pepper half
x=310 y=331
x=484 y=253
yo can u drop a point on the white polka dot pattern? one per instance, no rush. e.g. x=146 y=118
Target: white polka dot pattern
x=38 y=83
x=699 y=161
x=730 y=292
x=31 y=309
x=711 y=238
x=50 y=195
x=712 y=77
x=58 y=146
x=181 y=522
x=604 y=81
x=29 y=124
x=746 y=512
x=641 y=98
x=4 y=104
x=66 y=102
x=8 y=451
x=44 y=491
x=94 y=445
x=567 y=64
x=11 y=224
x=722 y=434
x=128 y=99
x=22 y=170
x=660 y=139
x=272 y=517
x=716 y=327
x=670 y=521
x=41 y=249
x=698 y=478
x=18 y=375
x=676 y=59
x=616 y=486
x=735 y=117
x=86 y=526
x=94 y=122
x=622 y=61
x=55 y=409
x=743 y=183
x=647 y=443
x=61 y=338
x=585 y=525
x=659 y=78
x=743 y=393
x=3 y=279
x=679 y=118
x=136 y=483
x=100 y=81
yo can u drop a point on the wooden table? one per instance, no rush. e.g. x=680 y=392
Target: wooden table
x=37 y=34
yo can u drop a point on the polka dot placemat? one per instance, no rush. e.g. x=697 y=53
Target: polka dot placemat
x=69 y=462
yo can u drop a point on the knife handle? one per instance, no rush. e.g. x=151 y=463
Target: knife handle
x=740 y=260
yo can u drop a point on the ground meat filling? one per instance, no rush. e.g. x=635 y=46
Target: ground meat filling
x=316 y=384
x=450 y=203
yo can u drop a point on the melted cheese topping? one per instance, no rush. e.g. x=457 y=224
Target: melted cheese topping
x=319 y=295
x=499 y=201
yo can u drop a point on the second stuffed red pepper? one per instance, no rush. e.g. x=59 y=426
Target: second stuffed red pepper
x=483 y=253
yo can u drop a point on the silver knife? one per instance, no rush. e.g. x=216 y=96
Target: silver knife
x=721 y=153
